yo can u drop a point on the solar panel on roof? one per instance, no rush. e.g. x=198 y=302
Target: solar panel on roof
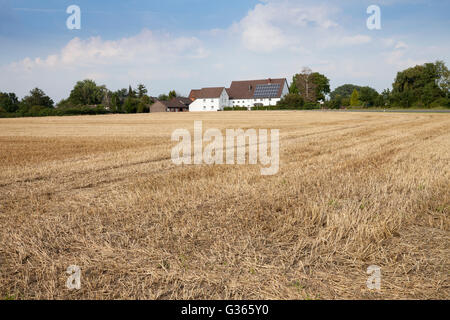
x=267 y=90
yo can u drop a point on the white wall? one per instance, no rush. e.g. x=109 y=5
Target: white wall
x=210 y=104
x=249 y=103
x=224 y=99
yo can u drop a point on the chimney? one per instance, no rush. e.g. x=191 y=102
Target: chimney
x=270 y=80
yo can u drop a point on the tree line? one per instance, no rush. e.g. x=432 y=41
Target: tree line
x=422 y=86
x=85 y=98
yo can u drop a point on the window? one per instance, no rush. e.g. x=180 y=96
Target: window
x=204 y=107
x=212 y=107
x=204 y=100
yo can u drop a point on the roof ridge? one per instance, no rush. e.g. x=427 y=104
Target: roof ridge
x=265 y=79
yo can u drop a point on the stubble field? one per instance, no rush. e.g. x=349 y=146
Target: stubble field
x=101 y=192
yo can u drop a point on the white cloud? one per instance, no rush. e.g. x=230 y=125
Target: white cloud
x=146 y=47
x=277 y=24
x=355 y=40
x=399 y=54
x=345 y=40
x=400 y=60
x=146 y=56
x=401 y=45
x=275 y=38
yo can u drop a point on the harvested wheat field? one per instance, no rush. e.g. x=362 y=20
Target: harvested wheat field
x=101 y=192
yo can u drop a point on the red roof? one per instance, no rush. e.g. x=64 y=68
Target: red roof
x=178 y=102
x=206 y=93
x=246 y=89
x=193 y=94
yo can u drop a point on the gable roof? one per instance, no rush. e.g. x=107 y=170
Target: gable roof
x=193 y=94
x=205 y=93
x=246 y=89
x=178 y=102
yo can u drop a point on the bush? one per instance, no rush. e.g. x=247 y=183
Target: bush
x=311 y=106
x=236 y=108
x=291 y=101
x=131 y=105
x=264 y=108
x=441 y=102
x=9 y=115
x=84 y=110
x=143 y=108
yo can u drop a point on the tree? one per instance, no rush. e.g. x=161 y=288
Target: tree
x=368 y=96
x=118 y=99
x=312 y=86
x=142 y=91
x=163 y=97
x=291 y=101
x=143 y=107
x=87 y=92
x=443 y=80
x=9 y=102
x=336 y=103
x=305 y=85
x=172 y=94
x=345 y=91
x=384 y=98
x=37 y=97
x=293 y=87
x=64 y=103
x=354 y=99
x=131 y=92
x=322 y=86
x=147 y=100
x=421 y=85
x=131 y=105
x=429 y=94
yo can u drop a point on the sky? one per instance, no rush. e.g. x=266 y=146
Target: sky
x=181 y=44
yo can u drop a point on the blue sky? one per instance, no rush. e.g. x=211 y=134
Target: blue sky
x=176 y=44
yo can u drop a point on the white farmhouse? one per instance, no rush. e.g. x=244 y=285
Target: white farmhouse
x=209 y=99
x=251 y=93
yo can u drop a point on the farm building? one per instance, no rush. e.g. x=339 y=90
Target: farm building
x=249 y=93
x=209 y=99
x=178 y=104
x=253 y=93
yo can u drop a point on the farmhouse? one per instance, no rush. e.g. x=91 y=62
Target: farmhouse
x=209 y=99
x=249 y=94
x=253 y=93
x=178 y=104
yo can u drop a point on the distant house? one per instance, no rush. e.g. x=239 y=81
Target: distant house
x=209 y=99
x=178 y=104
x=249 y=94
x=252 y=93
x=193 y=95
